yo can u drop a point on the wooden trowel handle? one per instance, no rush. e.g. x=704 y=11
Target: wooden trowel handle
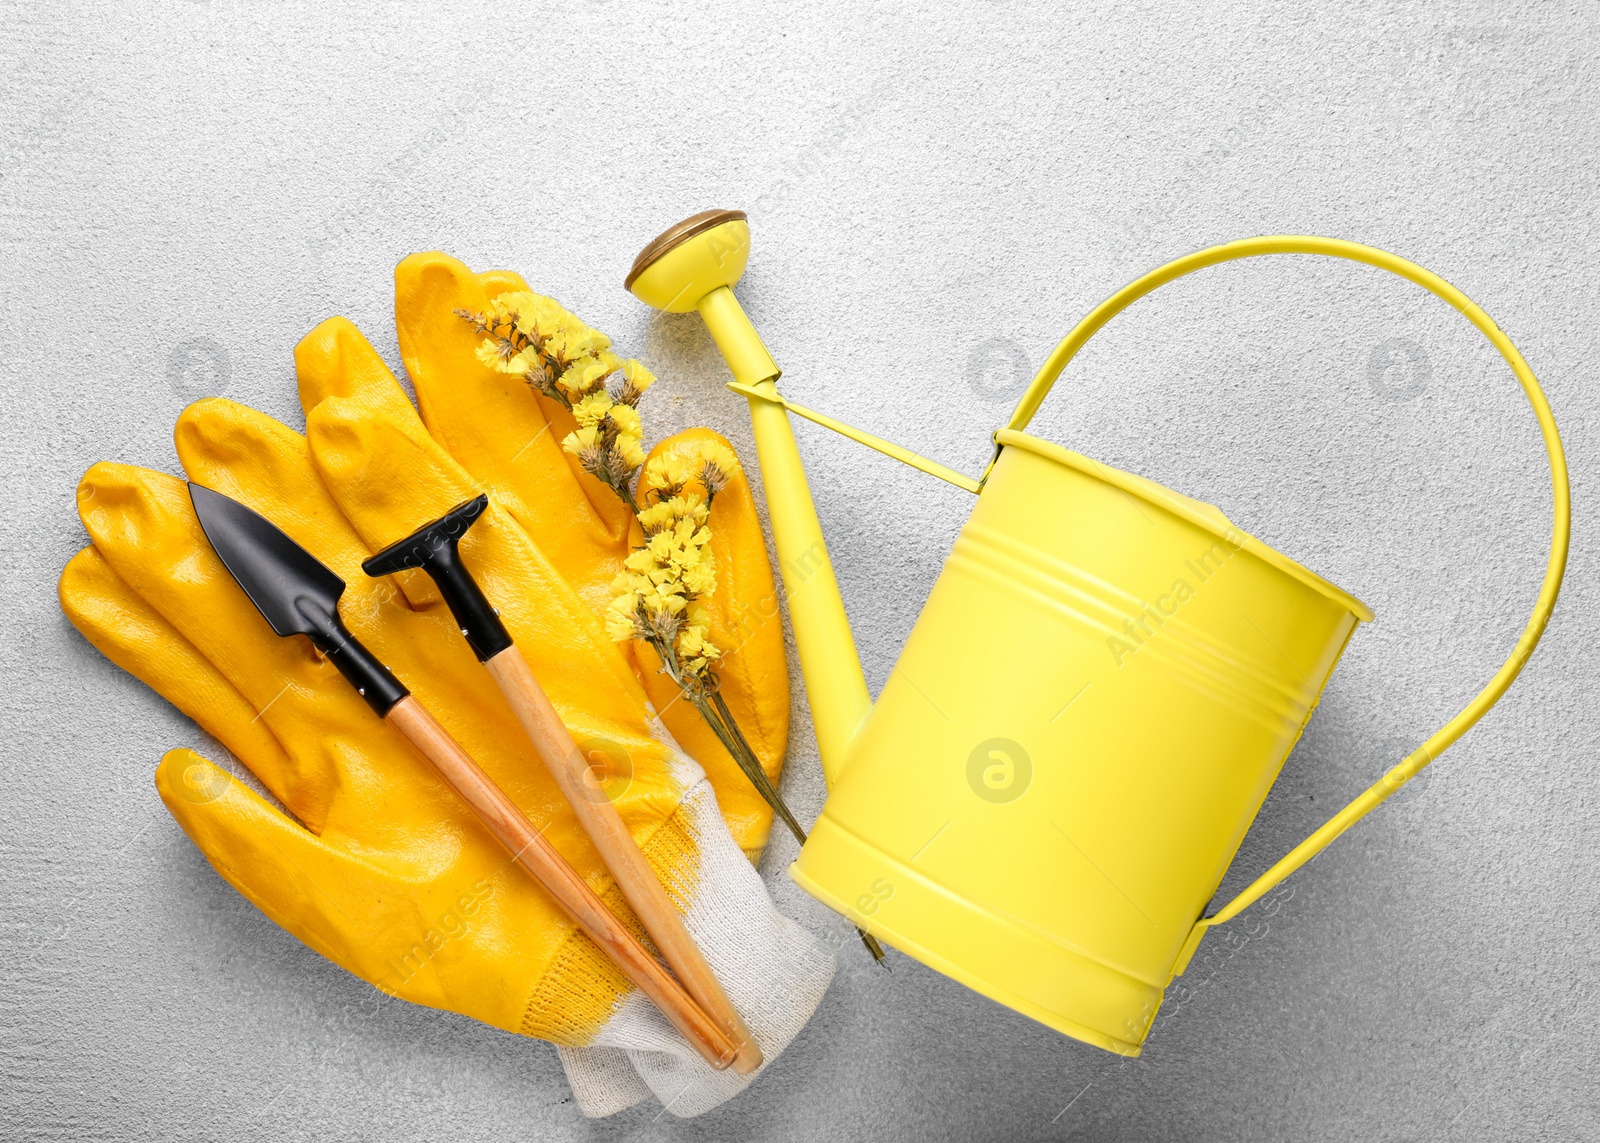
x=513 y=830
x=605 y=827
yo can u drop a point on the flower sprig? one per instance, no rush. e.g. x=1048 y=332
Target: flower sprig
x=657 y=598
x=675 y=565
x=536 y=338
x=658 y=601
x=658 y=594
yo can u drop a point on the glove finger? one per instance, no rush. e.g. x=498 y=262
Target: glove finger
x=298 y=880
x=335 y=360
x=753 y=671
x=390 y=477
x=134 y=636
x=476 y=936
x=268 y=467
x=497 y=282
x=505 y=434
x=144 y=525
x=265 y=465
x=399 y=927
x=405 y=478
x=244 y=453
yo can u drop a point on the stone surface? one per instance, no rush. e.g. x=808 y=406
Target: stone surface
x=936 y=197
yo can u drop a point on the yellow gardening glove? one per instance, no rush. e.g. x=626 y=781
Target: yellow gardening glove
x=508 y=438
x=384 y=872
x=381 y=868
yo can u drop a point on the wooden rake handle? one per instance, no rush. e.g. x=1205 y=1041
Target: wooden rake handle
x=605 y=827
x=513 y=830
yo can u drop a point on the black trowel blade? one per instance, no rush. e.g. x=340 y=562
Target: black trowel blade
x=289 y=586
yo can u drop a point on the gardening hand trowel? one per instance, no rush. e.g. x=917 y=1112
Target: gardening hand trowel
x=298 y=595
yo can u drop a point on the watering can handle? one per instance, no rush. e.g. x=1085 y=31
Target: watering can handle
x=1560 y=530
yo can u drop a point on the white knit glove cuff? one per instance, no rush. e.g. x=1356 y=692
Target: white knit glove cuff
x=773 y=971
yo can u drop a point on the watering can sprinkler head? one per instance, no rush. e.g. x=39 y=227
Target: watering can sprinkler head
x=693 y=266
x=684 y=263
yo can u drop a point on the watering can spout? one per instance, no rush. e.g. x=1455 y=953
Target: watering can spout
x=693 y=266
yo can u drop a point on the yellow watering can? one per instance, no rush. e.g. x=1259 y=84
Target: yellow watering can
x=1100 y=691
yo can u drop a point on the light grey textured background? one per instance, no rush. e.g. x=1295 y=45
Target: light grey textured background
x=936 y=196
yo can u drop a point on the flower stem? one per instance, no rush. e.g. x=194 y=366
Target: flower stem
x=707 y=699
x=715 y=711
x=754 y=765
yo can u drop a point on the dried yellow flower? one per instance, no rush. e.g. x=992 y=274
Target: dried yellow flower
x=626 y=418
x=500 y=354
x=631 y=449
x=593 y=408
x=576 y=442
x=533 y=315
x=693 y=640
x=668 y=472
x=701 y=579
x=622 y=617
x=585 y=375
x=656 y=517
x=666 y=513
x=712 y=452
x=566 y=346
x=636 y=380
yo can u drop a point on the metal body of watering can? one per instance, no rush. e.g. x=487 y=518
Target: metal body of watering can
x=1089 y=711
x=1091 y=708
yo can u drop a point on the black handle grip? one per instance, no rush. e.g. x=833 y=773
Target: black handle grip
x=478 y=621
x=433 y=548
x=372 y=680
